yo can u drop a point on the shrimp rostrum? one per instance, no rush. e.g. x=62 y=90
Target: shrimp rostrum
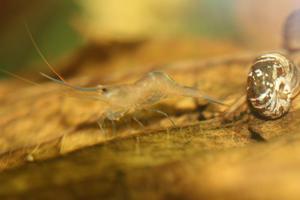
x=147 y=91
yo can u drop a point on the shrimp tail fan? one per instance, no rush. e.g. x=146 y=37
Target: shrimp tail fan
x=210 y=99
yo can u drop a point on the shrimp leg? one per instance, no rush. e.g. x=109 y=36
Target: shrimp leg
x=100 y=123
x=139 y=122
x=114 y=128
x=112 y=115
x=164 y=114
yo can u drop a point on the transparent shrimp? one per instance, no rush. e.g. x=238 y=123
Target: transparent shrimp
x=147 y=91
x=128 y=98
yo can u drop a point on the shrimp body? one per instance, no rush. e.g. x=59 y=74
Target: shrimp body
x=147 y=91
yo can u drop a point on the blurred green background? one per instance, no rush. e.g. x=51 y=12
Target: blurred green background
x=61 y=27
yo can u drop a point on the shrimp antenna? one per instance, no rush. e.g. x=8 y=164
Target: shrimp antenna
x=41 y=54
x=93 y=89
x=18 y=77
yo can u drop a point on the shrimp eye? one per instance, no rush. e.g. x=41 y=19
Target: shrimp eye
x=104 y=90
